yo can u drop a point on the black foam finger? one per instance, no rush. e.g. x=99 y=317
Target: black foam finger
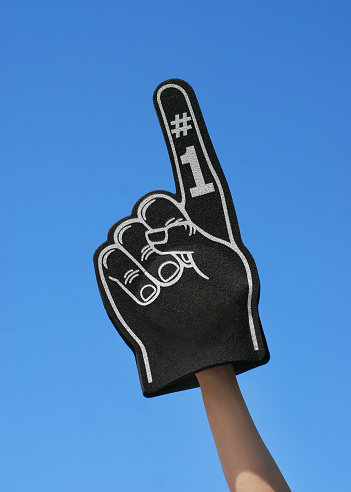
x=179 y=238
x=117 y=268
x=175 y=278
x=159 y=210
x=200 y=182
x=132 y=235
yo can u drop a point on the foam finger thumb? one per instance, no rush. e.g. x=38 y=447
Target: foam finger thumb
x=173 y=239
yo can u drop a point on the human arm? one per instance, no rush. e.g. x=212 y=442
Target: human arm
x=247 y=464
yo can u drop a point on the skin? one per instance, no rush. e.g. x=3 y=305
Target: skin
x=246 y=462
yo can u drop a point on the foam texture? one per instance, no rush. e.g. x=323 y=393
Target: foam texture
x=175 y=278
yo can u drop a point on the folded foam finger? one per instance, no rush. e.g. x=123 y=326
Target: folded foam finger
x=159 y=210
x=132 y=236
x=119 y=271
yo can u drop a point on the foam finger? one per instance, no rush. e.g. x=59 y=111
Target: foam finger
x=158 y=211
x=199 y=179
x=118 y=271
x=132 y=236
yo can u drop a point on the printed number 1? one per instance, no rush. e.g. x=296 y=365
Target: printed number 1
x=201 y=187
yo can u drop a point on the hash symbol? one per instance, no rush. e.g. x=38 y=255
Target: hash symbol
x=181 y=125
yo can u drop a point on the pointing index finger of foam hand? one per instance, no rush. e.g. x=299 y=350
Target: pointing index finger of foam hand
x=200 y=183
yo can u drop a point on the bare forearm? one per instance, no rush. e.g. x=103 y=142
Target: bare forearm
x=247 y=464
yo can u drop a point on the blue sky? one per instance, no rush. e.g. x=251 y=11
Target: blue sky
x=81 y=143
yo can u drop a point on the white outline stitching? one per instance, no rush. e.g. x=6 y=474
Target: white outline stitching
x=118 y=314
x=224 y=204
x=232 y=242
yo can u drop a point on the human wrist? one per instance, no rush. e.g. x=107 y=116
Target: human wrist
x=216 y=375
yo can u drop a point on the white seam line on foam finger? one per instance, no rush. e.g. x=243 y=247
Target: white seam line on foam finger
x=119 y=316
x=224 y=205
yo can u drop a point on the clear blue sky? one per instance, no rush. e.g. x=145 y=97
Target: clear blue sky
x=81 y=143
